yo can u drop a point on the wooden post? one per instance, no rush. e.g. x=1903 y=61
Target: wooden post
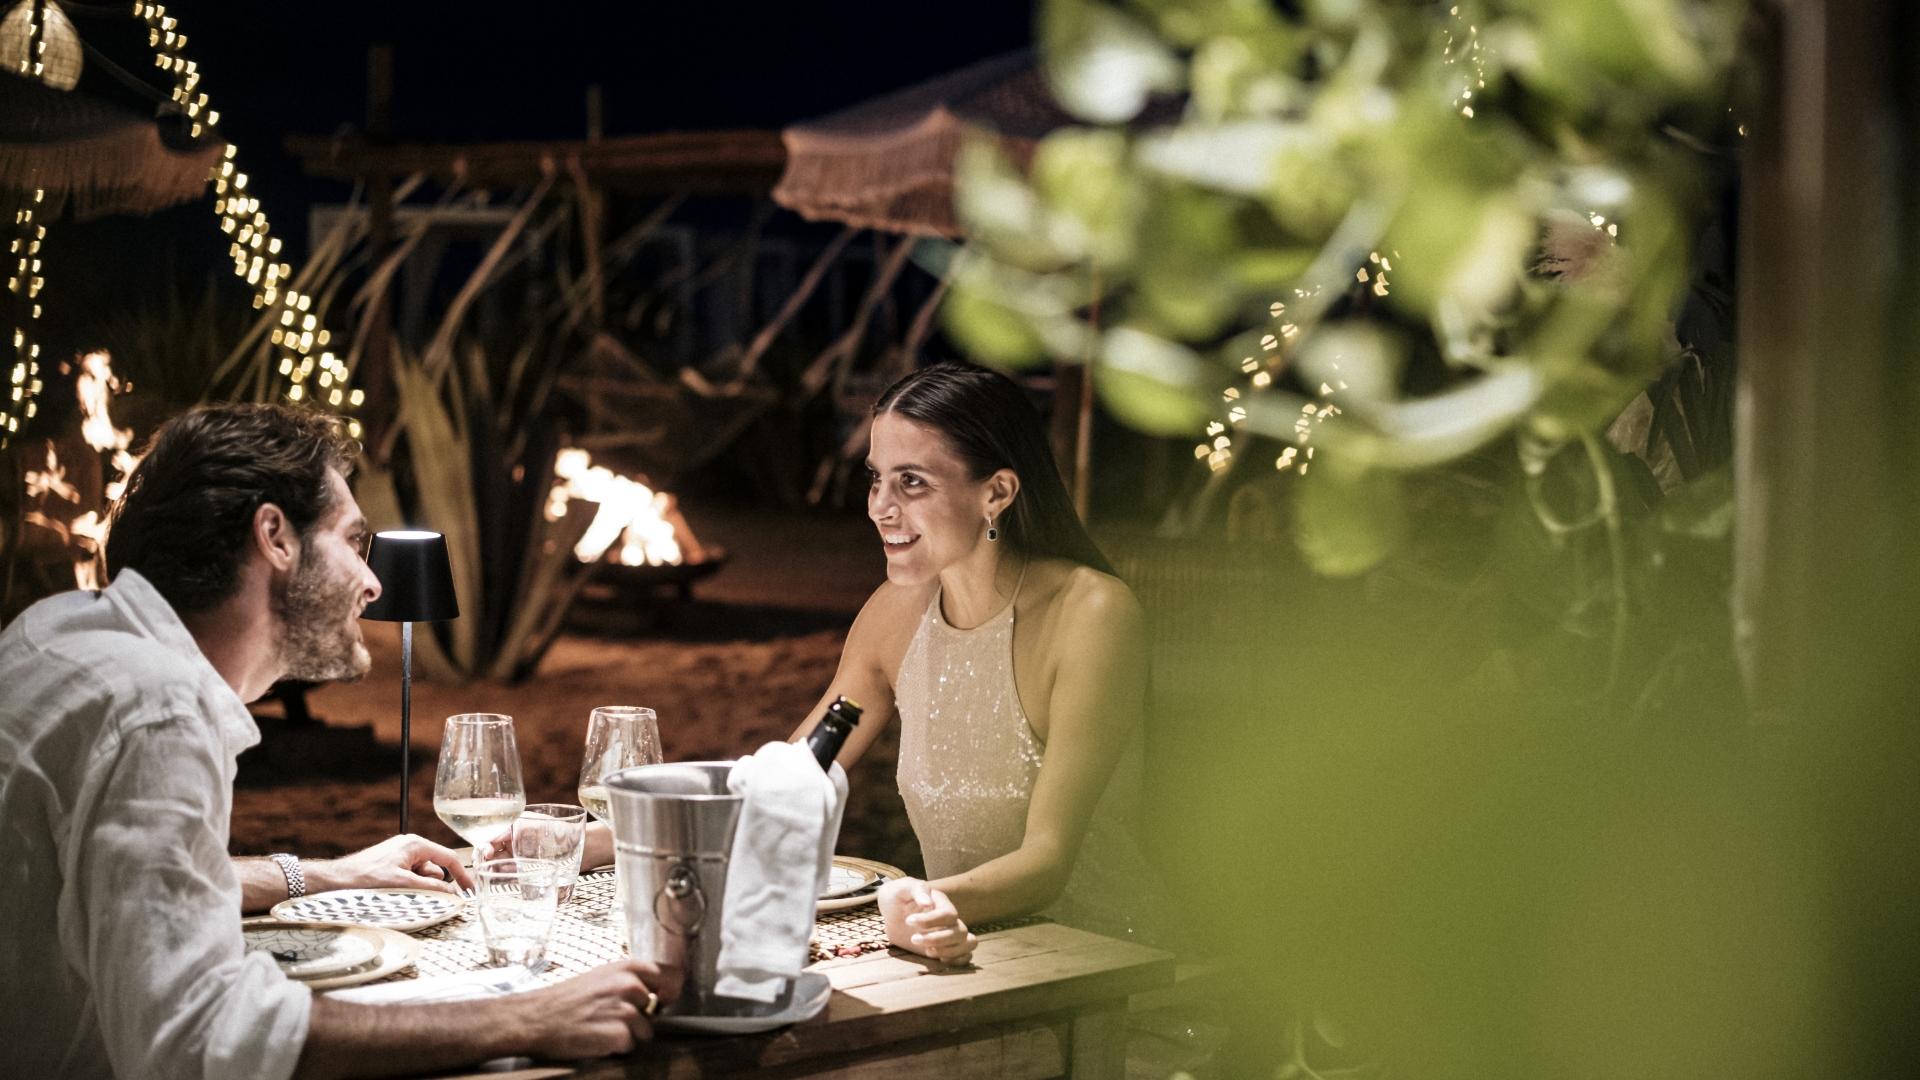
x=592 y=213
x=376 y=366
x=1083 y=422
x=1823 y=597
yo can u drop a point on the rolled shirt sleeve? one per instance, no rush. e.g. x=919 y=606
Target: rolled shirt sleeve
x=158 y=905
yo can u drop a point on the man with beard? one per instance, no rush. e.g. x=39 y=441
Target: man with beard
x=236 y=561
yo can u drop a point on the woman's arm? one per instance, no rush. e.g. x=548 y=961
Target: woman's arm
x=864 y=675
x=1097 y=700
x=868 y=663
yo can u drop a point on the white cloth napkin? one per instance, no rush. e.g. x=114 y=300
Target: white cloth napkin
x=781 y=860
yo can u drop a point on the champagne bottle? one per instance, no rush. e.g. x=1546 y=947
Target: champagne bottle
x=831 y=732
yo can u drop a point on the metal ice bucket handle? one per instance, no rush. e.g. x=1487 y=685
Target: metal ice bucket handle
x=680 y=904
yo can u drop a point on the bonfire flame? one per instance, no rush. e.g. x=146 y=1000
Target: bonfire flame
x=84 y=533
x=640 y=526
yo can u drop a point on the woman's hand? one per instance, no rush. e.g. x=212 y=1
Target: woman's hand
x=921 y=919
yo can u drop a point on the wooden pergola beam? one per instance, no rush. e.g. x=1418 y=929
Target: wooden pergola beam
x=716 y=162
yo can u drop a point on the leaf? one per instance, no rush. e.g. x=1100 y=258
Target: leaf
x=987 y=329
x=1189 y=235
x=1101 y=63
x=1346 y=525
x=1151 y=384
x=1701 y=508
x=1238 y=157
x=1004 y=214
x=1083 y=177
x=443 y=475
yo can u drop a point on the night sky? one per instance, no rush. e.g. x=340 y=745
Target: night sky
x=484 y=71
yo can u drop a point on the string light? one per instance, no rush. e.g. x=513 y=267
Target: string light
x=254 y=249
x=24 y=282
x=1470 y=55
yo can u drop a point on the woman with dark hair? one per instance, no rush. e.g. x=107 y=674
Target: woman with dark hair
x=1016 y=662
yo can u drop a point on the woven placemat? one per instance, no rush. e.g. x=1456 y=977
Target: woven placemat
x=588 y=931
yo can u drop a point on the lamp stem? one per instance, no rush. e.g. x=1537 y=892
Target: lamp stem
x=406 y=718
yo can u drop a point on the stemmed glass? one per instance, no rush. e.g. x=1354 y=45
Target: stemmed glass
x=618 y=736
x=477 y=790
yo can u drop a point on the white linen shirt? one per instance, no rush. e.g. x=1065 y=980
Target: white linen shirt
x=120 y=947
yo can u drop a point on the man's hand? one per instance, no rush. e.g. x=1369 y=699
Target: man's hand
x=922 y=919
x=606 y=1011
x=398 y=862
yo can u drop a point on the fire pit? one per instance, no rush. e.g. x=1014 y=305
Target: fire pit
x=639 y=542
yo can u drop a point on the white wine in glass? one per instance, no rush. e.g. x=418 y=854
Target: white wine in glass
x=594 y=798
x=477 y=790
x=618 y=736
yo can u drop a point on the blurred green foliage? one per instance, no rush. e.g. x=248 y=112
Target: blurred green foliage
x=1466 y=765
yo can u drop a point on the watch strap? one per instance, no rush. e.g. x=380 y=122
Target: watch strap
x=290 y=866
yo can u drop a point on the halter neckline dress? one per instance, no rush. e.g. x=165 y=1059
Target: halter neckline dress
x=969 y=759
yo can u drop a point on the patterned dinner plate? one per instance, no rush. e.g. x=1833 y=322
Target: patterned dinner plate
x=846 y=878
x=880 y=872
x=396 y=952
x=395 y=909
x=313 y=952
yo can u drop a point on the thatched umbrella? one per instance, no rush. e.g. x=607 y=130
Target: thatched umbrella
x=104 y=157
x=888 y=163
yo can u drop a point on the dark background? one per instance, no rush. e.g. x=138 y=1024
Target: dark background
x=477 y=72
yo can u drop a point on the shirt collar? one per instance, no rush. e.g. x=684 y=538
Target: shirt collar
x=135 y=598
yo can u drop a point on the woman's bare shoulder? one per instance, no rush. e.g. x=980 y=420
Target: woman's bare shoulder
x=1084 y=603
x=889 y=617
x=1089 y=597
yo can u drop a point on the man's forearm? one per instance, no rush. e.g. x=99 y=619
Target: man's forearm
x=344 y=1039
x=262 y=885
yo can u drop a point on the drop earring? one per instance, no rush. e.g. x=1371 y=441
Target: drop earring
x=992 y=532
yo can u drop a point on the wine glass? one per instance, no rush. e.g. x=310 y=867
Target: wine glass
x=477 y=790
x=617 y=736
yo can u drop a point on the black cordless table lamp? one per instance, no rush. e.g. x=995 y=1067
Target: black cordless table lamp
x=416 y=585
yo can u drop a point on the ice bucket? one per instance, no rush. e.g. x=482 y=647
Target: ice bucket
x=673 y=830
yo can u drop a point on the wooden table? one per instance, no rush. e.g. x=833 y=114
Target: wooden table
x=1042 y=1000
x=1039 y=1000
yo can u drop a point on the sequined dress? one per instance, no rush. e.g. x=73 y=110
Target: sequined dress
x=968 y=762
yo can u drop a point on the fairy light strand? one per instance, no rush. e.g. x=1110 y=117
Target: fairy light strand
x=31 y=64
x=24 y=282
x=1465 y=49
x=312 y=372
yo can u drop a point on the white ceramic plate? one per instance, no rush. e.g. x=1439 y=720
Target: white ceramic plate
x=395 y=909
x=397 y=953
x=810 y=993
x=305 y=951
x=882 y=873
x=846 y=878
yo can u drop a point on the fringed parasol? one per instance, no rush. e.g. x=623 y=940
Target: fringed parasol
x=103 y=156
x=887 y=164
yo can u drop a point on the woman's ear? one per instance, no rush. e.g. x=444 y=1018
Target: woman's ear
x=1002 y=486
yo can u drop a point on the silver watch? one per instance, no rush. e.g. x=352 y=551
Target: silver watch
x=290 y=866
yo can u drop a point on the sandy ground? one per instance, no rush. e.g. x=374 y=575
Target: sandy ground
x=738 y=664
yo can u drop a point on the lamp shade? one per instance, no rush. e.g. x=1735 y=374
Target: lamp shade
x=416 y=581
